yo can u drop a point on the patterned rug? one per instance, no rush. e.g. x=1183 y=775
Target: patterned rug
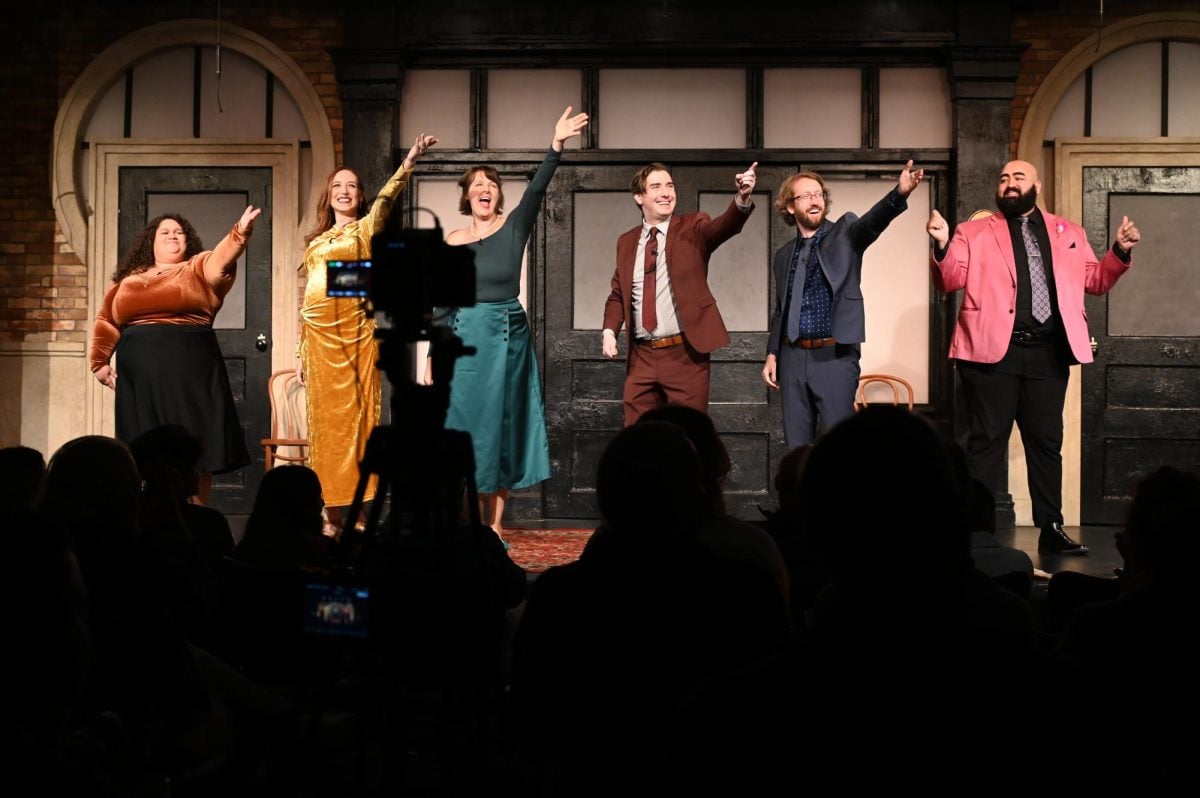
x=535 y=550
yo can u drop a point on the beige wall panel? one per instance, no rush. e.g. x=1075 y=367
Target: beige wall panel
x=1068 y=117
x=243 y=96
x=436 y=102
x=1183 y=92
x=524 y=104
x=914 y=108
x=812 y=108
x=1127 y=92
x=672 y=108
x=600 y=218
x=286 y=120
x=739 y=271
x=162 y=95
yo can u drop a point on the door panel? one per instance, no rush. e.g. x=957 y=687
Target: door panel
x=212 y=199
x=1141 y=400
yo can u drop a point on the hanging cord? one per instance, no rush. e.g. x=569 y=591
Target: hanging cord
x=220 y=110
x=1100 y=26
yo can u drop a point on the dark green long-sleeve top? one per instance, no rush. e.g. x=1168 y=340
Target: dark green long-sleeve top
x=498 y=257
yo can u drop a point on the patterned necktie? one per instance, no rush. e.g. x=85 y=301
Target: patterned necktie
x=1040 y=299
x=649 y=288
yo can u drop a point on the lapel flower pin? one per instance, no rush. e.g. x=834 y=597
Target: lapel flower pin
x=1058 y=228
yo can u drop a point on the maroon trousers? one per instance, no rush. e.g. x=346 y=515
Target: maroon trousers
x=677 y=375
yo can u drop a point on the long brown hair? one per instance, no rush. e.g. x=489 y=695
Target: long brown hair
x=140 y=255
x=325 y=217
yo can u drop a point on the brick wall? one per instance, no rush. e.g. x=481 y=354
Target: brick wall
x=43 y=283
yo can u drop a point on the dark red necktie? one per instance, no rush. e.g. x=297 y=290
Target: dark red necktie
x=649 y=289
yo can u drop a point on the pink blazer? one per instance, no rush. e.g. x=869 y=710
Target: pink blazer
x=980 y=259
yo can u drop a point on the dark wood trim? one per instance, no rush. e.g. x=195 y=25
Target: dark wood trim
x=537 y=52
x=755 y=108
x=863 y=161
x=870 y=107
x=269 y=111
x=590 y=89
x=197 y=88
x=128 y=121
x=479 y=109
x=1166 y=87
x=1087 y=102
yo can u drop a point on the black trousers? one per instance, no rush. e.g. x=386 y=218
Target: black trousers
x=1028 y=386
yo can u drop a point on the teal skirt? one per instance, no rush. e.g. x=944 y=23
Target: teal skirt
x=496 y=396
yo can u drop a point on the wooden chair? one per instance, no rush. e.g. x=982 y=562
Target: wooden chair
x=896 y=383
x=288 y=443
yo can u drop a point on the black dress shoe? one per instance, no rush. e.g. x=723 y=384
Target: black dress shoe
x=1054 y=540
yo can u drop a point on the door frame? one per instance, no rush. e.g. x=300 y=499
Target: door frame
x=287 y=252
x=1071 y=157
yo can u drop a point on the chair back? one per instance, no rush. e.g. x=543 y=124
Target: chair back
x=288 y=442
x=897 y=385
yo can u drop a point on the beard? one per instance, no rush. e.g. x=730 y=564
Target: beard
x=1019 y=205
x=807 y=223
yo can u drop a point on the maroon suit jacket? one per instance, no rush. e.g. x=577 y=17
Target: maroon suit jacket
x=691 y=240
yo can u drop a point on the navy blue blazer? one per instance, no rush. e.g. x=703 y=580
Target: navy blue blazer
x=841 y=252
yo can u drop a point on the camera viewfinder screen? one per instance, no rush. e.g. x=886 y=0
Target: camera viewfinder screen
x=339 y=610
x=347 y=278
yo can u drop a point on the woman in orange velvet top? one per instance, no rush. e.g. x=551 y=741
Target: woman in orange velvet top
x=157 y=319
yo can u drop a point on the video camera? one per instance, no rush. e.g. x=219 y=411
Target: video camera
x=408 y=275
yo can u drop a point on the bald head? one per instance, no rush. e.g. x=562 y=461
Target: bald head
x=1018 y=189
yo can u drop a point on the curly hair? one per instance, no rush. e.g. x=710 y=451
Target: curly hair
x=141 y=254
x=784 y=197
x=325 y=217
x=464 y=184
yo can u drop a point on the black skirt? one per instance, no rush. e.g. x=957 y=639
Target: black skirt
x=174 y=374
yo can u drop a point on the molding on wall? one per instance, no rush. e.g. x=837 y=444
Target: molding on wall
x=87 y=91
x=1173 y=25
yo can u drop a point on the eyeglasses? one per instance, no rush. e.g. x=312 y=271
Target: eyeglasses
x=809 y=195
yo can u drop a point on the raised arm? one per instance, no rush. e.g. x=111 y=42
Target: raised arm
x=524 y=215
x=870 y=226
x=220 y=266
x=376 y=219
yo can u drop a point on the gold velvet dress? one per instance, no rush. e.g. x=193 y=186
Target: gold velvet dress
x=338 y=351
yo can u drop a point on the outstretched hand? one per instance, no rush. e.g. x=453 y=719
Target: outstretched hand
x=1127 y=234
x=745 y=184
x=938 y=229
x=568 y=126
x=246 y=224
x=419 y=148
x=909 y=179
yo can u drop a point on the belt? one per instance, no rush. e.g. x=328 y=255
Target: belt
x=661 y=343
x=810 y=343
x=1031 y=336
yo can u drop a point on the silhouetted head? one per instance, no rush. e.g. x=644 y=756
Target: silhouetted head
x=21 y=470
x=284 y=528
x=92 y=487
x=880 y=495
x=1161 y=538
x=714 y=457
x=648 y=484
x=173 y=445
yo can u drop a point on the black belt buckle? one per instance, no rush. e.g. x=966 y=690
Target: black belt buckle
x=1029 y=336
